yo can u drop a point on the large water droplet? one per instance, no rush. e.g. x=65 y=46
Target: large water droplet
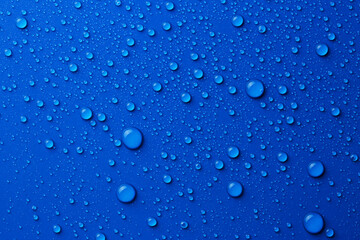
x=282 y=157
x=186 y=97
x=235 y=189
x=238 y=21
x=86 y=113
x=316 y=169
x=152 y=222
x=132 y=138
x=313 y=222
x=57 y=229
x=233 y=152
x=126 y=193
x=100 y=236
x=21 y=23
x=322 y=49
x=255 y=88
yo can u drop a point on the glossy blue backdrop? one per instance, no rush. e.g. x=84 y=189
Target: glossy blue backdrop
x=211 y=119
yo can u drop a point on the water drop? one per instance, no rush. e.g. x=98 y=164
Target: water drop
x=8 y=52
x=235 y=189
x=21 y=23
x=100 y=236
x=330 y=233
x=184 y=224
x=132 y=138
x=86 y=113
x=219 y=164
x=238 y=21
x=316 y=169
x=49 y=143
x=198 y=73
x=282 y=90
x=152 y=222
x=157 y=87
x=322 y=49
x=219 y=79
x=331 y=36
x=77 y=5
x=73 y=67
x=166 y=26
x=57 y=229
x=186 y=97
x=23 y=119
x=130 y=106
x=262 y=29
x=335 y=111
x=170 y=6
x=255 y=88
x=233 y=152
x=101 y=117
x=313 y=223
x=282 y=157
x=167 y=179
x=130 y=42
x=126 y=193
x=173 y=66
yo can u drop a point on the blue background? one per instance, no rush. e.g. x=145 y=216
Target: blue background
x=43 y=182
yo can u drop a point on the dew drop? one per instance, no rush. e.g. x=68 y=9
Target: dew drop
x=166 y=26
x=170 y=6
x=8 y=52
x=126 y=193
x=235 y=189
x=173 y=66
x=313 y=223
x=233 y=152
x=21 y=23
x=49 y=143
x=100 y=236
x=167 y=179
x=152 y=222
x=186 y=97
x=262 y=29
x=335 y=111
x=282 y=90
x=198 y=73
x=237 y=21
x=255 y=89
x=219 y=79
x=282 y=157
x=132 y=138
x=322 y=49
x=316 y=169
x=57 y=229
x=73 y=67
x=184 y=224
x=86 y=113
x=330 y=233
x=157 y=87
x=219 y=164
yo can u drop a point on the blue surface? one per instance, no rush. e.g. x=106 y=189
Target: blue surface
x=76 y=74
